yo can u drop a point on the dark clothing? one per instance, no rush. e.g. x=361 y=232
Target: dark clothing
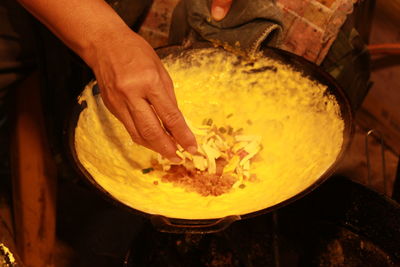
x=17 y=49
x=247 y=25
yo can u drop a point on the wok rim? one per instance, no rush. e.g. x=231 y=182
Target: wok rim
x=333 y=87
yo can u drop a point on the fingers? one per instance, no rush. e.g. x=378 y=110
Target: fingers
x=151 y=131
x=142 y=124
x=125 y=117
x=168 y=85
x=148 y=109
x=139 y=92
x=219 y=8
x=171 y=117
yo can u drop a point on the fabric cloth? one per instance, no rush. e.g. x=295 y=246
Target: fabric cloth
x=247 y=26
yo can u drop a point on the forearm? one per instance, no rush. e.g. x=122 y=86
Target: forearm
x=83 y=25
x=134 y=84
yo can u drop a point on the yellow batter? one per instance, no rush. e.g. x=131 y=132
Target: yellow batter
x=5 y=253
x=301 y=131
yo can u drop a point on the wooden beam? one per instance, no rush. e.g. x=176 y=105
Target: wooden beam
x=389 y=9
x=34 y=178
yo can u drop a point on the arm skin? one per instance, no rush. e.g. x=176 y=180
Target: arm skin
x=134 y=85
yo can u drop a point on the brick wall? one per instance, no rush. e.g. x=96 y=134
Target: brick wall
x=155 y=28
x=312 y=25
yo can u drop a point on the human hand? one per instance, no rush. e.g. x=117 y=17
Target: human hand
x=219 y=8
x=133 y=83
x=137 y=89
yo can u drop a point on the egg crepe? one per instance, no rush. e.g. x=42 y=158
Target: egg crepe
x=298 y=120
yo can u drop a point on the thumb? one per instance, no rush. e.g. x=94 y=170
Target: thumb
x=219 y=8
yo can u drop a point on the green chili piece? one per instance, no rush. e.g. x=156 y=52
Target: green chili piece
x=144 y=171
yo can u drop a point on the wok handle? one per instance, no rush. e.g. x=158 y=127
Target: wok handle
x=175 y=226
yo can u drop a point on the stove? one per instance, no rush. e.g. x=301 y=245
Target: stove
x=341 y=223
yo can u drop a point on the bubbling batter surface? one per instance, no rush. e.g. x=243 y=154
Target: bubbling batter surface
x=299 y=123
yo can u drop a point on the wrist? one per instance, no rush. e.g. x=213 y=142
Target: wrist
x=99 y=42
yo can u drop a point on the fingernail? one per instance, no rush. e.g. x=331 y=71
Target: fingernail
x=175 y=160
x=192 y=149
x=218 y=13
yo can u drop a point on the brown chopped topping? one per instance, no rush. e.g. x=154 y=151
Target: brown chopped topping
x=220 y=162
x=242 y=153
x=238 y=131
x=230 y=130
x=201 y=182
x=262 y=69
x=208 y=122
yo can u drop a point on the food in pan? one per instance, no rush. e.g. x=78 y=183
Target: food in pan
x=293 y=123
x=222 y=162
